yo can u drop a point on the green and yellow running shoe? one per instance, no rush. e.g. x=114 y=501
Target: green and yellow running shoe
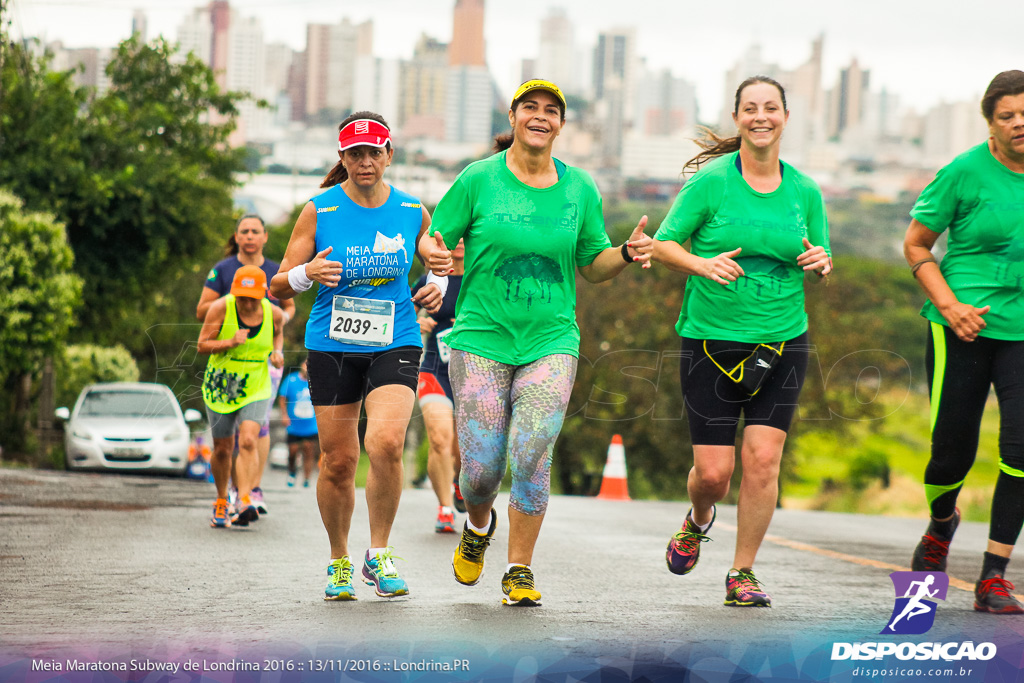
x=339 y=580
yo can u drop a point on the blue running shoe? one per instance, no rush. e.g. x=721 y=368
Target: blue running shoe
x=220 y=519
x=339 y=580
x=379 y=571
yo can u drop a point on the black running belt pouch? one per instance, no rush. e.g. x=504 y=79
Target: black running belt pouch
x=747 y=365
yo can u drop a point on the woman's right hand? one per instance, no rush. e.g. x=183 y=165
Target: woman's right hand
x=965 y=320
x=327 y=273
x=722 y=269
x=240 y=338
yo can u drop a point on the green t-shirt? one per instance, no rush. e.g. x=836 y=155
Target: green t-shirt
x=981 y=202
x=718 y=211
x=523 y=245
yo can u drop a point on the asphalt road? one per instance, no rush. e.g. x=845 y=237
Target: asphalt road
x=106 y=566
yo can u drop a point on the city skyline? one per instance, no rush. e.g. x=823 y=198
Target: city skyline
x=959 y=56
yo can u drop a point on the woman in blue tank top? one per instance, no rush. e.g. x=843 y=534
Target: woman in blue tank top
x=357 y=240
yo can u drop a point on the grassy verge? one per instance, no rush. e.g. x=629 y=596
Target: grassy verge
x=877 y=467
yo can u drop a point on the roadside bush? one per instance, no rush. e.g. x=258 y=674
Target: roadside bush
x=84 y=364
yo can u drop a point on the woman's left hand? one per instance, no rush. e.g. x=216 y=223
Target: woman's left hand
x=429 y=298
x=439 y=257
x=640 y=246
x=815 y=259
x=277 y=360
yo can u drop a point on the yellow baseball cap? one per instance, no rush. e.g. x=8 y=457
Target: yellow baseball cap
x=540 y=84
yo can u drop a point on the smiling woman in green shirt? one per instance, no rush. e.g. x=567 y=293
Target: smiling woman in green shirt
x=530 y=222
x=755 y=226
x=975 y=310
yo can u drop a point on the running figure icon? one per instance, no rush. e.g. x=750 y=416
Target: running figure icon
x=916 y=606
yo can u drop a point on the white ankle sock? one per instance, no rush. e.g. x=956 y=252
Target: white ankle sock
x=477 y=530
x=515 y=564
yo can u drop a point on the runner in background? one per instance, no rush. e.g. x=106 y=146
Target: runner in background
x=530 y=224
x=245 y=248
x=300 y=421
x=241 y=331
x=437 y=401
x=357 y=239
x=756 y=226
x=975 y=310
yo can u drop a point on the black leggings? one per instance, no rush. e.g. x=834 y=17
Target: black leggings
x=714 y=403
x=960 y=374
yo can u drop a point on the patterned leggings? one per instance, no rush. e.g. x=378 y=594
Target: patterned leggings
x=509 y=413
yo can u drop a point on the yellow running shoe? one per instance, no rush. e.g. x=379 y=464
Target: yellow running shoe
x=468 y=561
x=517 y=585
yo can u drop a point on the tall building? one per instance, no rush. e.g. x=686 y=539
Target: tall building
x=195 y=34
x=376 y=86
x=468 y=86
x=422 y=93
x=847 y=103
x=556 y=53
x=614 y=83
x=332 y=52
x=297 y=87
x=140 y=25
x=614 y=61
x=467 y=47
x=89 y=63
x=220 y=19
x=233 y=47
x=806 y=101
x=665 y=104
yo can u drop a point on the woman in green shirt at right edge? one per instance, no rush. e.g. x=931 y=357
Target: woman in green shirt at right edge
x=975 y=310
x=755 y=226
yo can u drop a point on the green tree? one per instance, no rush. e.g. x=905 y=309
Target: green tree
x=84 y=364
x=142 y=176
x=38 y=296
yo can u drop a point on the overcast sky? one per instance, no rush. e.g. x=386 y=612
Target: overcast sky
x=924 y=50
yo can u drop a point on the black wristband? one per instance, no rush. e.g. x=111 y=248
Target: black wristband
x=625 y=252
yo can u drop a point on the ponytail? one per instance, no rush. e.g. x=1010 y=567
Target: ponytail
x=502 y=141
x=336 y=175
x=231 y=246
x=713 y=146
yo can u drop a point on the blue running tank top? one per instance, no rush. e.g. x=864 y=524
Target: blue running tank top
x=376 y=248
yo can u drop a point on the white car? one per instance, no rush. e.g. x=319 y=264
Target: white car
x=127 y=426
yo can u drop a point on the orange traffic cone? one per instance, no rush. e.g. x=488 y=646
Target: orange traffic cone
x=613 y=481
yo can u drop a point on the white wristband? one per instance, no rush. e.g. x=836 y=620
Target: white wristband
x=441 y=282
x=298 y=280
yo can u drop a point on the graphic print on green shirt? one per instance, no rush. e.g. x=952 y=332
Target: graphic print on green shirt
x=981 y=203
x=534 y=276
x=523 y=245
x=718 y=211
